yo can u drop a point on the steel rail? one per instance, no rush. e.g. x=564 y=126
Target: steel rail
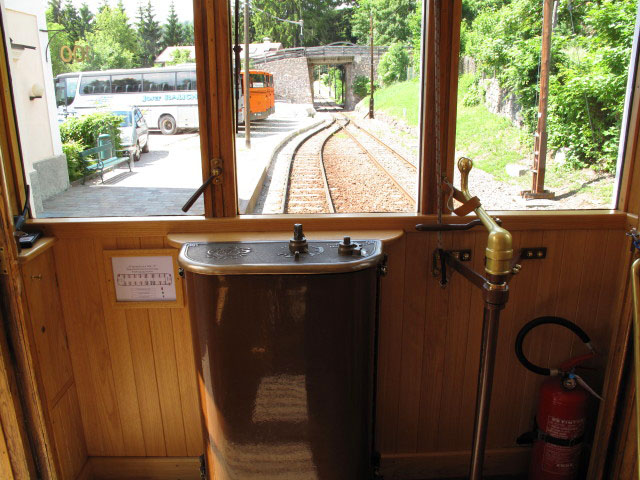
x=380 y=166
x=287 y=190
x=388 y=147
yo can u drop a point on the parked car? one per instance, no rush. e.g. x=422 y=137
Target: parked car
x=134 y=133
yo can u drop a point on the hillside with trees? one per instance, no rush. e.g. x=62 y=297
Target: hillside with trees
x=113 y=39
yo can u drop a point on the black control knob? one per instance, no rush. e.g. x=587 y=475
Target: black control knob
x=347 y=247
x=298 y=244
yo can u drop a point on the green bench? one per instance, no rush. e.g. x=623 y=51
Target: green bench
x=103 y=156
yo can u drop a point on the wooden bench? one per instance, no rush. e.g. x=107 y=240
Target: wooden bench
x=98 y=158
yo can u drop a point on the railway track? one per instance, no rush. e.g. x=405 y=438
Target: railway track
x=345 y=169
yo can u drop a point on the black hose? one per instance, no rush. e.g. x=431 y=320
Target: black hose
x=544 y=321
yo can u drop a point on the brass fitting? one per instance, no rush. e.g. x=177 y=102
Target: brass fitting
x=499 y=251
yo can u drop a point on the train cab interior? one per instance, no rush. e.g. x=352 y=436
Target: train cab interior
x=313 y=346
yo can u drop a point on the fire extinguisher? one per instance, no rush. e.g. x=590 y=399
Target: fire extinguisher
x=562 y=410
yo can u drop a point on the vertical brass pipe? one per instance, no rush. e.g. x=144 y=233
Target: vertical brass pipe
x=635 y=284
x=485 y=382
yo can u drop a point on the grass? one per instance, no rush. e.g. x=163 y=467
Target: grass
x=492 y=141
x=400 y=100
x=489 y=139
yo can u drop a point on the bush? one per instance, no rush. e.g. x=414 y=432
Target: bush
x=393 y=64
x=72 y=151
x=589 y=60
x=475 y=94
x=80 y=133
x=362 y=86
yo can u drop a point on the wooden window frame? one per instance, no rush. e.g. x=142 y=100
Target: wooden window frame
x=212 y=34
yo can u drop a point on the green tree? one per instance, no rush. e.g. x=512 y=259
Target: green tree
x=181 y=56
x=113 y=43
x=323 y=21
x=70 y=19
x=173 y=33
x=187 y=30
x=54 y=11
x=86 y=19
x=150 y=35
x=57 y=39
x=393 y=64
x=390 y=21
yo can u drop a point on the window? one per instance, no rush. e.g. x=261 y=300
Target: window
x=95 y=84
x=535 y=154
x=105 y=88
x=186 y=81
x=305 y=142
x=126 y=83
x=159 y=82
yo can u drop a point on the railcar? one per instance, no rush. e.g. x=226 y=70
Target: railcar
x=261 y=94
x=302 y=346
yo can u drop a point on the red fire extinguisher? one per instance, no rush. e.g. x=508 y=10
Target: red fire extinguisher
x=562 y=410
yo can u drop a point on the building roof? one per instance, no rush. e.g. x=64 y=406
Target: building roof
x=167 y=53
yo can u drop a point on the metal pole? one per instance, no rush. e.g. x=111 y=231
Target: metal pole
x=371 y=52
x=540 y=149
x=247 y=78
x=485 y=382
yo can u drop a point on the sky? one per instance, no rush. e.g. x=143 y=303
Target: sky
x=184 y=8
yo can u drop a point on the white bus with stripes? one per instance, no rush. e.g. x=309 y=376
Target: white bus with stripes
x=166 y=96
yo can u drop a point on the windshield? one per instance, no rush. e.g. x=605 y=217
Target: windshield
x=66 y=90
x=126 y=118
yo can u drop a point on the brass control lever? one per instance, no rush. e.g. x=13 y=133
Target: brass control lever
x=499 y=249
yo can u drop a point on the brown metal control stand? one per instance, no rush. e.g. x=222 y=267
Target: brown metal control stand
x=499 y=267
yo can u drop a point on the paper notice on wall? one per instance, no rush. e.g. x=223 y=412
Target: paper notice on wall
x=144 y=279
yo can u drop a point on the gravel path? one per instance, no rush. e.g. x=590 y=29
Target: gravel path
x=356 y=184
x=494 y=194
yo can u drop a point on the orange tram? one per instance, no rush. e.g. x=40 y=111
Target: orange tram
x=261 y=94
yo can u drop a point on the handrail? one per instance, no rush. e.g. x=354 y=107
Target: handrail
x=635 y=285
x=499 y=251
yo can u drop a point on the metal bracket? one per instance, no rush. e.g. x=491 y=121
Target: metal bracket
x=533 y=253
x=216 y=170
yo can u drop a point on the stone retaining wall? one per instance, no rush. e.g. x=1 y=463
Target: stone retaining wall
x=291 y=79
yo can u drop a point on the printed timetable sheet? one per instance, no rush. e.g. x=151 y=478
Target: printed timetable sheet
x=144 y=279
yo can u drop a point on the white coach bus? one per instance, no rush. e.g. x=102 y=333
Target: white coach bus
x=166 y=96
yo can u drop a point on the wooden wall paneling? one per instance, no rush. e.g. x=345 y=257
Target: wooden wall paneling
x=434 y=355
x=537 y=343
x=145 y=372
x=568 y=286
x=127 y=468
x=68 y=434
x=187 y=377
x=472 y=354
x=121 y=361
x=458 y=295
x=77 y=269
x=390 y=348
x=511 y=379
x=614 y=277
x=16 y=454
x=6 y=471
x=164 y=354
x=612 y=390
x=188 y=382
x=589 y=288
x=47 y=325
x=417 y=267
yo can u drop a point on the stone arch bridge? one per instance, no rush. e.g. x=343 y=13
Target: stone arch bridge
x=292 y=69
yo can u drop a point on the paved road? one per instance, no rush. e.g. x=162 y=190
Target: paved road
x=164 y=179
